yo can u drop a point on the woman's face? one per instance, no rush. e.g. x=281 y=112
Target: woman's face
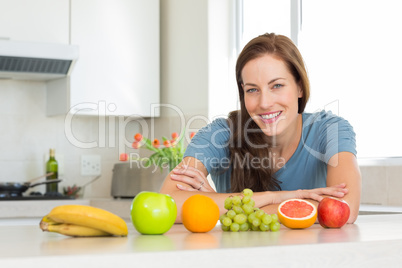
x=271 y=94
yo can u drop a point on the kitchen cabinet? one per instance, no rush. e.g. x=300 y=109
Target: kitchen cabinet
x=35 y=21
x=118 y=69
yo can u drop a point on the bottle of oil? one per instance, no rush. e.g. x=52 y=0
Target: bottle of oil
x=52 y=166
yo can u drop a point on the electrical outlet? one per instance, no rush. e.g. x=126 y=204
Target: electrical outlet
x=90 y=165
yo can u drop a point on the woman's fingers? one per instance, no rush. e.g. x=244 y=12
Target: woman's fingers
x=190 y=171
x=317 y=194
x=191 y=176
x=183 y=178
x=185 y=188
x=187 y=176
x=335 y=191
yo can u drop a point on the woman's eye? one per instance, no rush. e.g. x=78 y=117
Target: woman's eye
x=251 y=90
x=278 y=86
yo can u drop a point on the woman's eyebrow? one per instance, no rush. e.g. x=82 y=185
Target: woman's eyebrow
x=270 y=82
x=250 y=84
x=275 y=79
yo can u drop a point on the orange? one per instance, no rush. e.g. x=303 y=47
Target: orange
x=199 y=213
x=297 y=213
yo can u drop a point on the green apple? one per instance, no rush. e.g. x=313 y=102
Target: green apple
x=153 y=213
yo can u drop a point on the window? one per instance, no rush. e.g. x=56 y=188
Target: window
x=352 y=51
x=265 y=16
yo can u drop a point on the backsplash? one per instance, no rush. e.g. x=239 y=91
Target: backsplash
x=382 y=185
x=26 y=134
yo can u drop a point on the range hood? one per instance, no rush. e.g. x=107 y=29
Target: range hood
x=36 y=61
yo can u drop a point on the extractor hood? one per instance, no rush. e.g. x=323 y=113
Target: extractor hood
x=36 y=61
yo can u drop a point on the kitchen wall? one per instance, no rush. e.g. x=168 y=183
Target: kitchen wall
x=190 y=50
x=195 y=42
x=26 y=134
x=382 y=181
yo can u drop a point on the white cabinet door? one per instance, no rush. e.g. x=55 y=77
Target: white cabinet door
x=36 y=21
x=118 y=69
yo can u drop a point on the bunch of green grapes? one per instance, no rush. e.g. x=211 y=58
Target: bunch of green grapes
x=243 y=216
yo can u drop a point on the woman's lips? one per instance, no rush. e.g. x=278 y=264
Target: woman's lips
x=270 y=117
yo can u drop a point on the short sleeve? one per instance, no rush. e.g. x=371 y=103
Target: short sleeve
x=337 y=135
x=210 y=146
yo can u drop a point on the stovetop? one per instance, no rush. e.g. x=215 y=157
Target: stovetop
x=34 y=196
x=23 y=198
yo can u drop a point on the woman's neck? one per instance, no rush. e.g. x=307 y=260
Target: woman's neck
x=285 y=144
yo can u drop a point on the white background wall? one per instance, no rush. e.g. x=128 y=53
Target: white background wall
x=26 y=134
x=195 y=70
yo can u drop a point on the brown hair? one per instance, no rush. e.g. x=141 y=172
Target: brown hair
x=247 y=141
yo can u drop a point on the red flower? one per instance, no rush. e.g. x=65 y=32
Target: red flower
x=138 y=137
x=167 y=143
x=192 y=135
x=175 y=135
x=136 y=144
x=123 y=157
x=156 y=143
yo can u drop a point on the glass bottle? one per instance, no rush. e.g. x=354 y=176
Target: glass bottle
x=52 y=166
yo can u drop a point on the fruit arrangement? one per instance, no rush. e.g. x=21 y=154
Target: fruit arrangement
x=199 y=213
x=83 y=221
x=297 y=213
x=333 y=213
x=243 y=216
x=153 y=213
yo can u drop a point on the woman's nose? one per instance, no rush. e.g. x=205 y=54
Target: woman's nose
x=267 y=99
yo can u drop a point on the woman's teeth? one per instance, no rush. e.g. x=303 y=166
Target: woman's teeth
x=269 y=116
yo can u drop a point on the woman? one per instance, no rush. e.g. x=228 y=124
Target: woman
x=270 y=145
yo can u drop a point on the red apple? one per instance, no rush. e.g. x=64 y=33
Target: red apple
x=332 y=212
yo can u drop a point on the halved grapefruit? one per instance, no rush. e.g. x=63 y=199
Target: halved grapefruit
x=297 y=213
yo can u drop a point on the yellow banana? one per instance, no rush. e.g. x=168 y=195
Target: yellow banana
x=47 y=220
x=71 y=229
x=88 y=216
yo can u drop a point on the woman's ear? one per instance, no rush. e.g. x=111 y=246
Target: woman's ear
x=300 y=91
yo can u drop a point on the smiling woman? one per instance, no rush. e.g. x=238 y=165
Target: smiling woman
x=266 y=82
x=316 y=151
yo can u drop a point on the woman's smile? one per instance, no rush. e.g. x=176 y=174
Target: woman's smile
x=271 y=95
x=269 y=118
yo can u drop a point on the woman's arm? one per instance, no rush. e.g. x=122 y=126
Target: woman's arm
x=342 y=171
x=185 y=180
x=343 y=167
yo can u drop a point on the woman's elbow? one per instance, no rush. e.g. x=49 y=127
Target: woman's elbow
x=353 y=217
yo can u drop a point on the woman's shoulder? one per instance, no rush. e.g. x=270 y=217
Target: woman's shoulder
x=323 y=119
x=218 y=125
x=217 y=130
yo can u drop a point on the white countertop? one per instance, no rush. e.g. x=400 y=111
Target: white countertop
x=39 y=208
x=374 y=241
x=121 y=207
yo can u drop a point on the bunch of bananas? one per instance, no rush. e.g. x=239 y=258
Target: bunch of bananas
x=80 y=220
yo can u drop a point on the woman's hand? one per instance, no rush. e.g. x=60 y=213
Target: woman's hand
x=317 y=194
x=191 y=176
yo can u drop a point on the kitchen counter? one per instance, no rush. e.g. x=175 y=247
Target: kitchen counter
x=373 y=241
x=33 y=208
x=120 y=207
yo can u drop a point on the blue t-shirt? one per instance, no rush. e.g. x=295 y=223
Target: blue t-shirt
x=324 y=135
